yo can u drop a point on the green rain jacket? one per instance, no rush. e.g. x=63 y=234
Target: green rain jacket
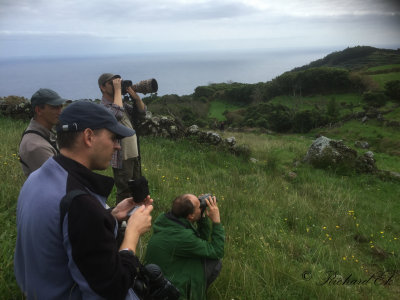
x=179 y=249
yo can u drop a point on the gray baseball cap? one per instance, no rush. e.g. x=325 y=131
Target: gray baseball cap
x=46 y=96
x=106 y=77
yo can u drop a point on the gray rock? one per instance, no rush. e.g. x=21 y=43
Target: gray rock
x=173 y=129
x=231 y=141
x=361 y=144
x=366 y=163
x=193 y=129
x=325 y=153
x=394 y=174
x=253 y=160
x=148 y=115
x=213 y=138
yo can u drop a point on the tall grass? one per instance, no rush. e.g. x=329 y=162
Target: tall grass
x=283 y=234
x=11 y=179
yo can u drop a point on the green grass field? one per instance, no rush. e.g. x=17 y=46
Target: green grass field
x=383 y=68
x=286 y=237
x=381 y=79
x=217 y=108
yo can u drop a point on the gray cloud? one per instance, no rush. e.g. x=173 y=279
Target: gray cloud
x=162 y=24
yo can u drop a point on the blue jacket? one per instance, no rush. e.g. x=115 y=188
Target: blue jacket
x=78 y=258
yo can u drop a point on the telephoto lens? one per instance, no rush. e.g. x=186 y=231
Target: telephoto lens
x=146 y=86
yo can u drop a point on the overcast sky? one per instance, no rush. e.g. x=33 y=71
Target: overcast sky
x=76 y=27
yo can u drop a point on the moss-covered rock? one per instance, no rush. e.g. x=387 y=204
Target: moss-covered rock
x=326 y=153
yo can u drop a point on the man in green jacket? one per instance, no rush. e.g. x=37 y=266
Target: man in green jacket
x=187 y=255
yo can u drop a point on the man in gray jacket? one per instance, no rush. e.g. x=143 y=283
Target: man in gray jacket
x=38 y=140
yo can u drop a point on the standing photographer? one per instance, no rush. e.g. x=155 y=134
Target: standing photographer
x=186 y=247
x=125 y=162
x=66 y=244
x=38 y=140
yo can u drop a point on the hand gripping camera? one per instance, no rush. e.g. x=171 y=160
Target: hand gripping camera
x=152 y=285
x=203 y=203
x=144 y=86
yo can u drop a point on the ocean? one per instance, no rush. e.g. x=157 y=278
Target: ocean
x=176 y=73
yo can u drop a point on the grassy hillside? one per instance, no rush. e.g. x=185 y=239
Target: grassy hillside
x=285 y=234
x=356 y=58
x=323 y=92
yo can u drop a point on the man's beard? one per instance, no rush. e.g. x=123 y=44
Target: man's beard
x=111 y=94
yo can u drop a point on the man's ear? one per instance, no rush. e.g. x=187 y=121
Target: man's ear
x=190 y=217
x=37 y=110
x=88 y=135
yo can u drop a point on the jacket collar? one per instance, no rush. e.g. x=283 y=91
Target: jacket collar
x=97 y=183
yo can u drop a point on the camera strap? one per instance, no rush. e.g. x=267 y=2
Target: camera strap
x=52 y=143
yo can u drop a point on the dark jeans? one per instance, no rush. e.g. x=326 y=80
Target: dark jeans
x=130 y=170
x=212 y=268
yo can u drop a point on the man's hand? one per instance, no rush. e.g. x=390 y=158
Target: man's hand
x=147 y=201
x=138 y=101
x=213 y=210
x=117 y=91
x=117 y=84
x=138 y=224
x=120 y=212
x=140 y=221
x=132 y=93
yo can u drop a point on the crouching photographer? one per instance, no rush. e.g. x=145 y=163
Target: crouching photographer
x=187 y=246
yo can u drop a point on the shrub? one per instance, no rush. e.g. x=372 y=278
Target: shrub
x=203 y=91
x=392 y=90
x=306 y=120
x=374 y=99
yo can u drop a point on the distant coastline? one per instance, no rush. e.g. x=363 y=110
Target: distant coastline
x=177 y=73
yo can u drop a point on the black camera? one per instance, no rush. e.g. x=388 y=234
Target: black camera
x=139 y=188
x=153 y=285
x=144 y=86
x=203 y=203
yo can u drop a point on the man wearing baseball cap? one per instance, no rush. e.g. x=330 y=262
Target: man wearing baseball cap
x=125 y=161
x=38 y=140
x=66 y=235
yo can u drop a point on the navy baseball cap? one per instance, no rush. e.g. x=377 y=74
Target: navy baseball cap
x=84 y=114
x=46 y=96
